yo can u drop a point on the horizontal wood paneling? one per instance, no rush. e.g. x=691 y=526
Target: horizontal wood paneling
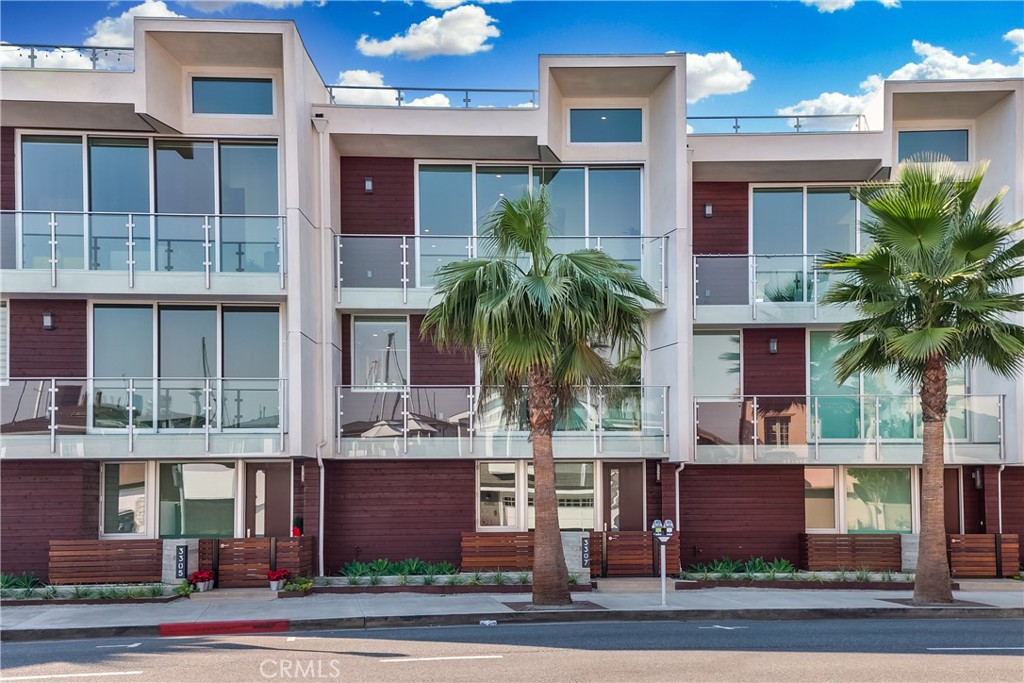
x=108 y=561
x=490 y=550
x=830 y=552
x=389 y=209
x=7 y=170
x=1013 y=500
x=727 y=231
x=976 y=556
x=44 y=500
x=741 y=512
x=397 y=510
x=780 y=374
x=60 y=352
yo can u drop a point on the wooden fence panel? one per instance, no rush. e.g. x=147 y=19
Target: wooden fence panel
x=243 y=562
x=831 y=552
x=507 y=550
x=296 y=555
x=128 y=561
x=974 y=555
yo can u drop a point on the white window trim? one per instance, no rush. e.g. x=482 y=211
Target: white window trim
x=255 y=75
x=151 y=506
x=840 y=479
x=519 y=492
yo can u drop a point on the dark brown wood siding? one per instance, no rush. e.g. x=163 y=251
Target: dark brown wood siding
x=780 y=374
x=1013 y=500
x=306 y=496
x=44 y=500
x=397 y=510
x=7 y=170
x=428 y=365
x=974 y=502
x=741 y=512
x=727 y=231
x=60 y=352
x=389 y=209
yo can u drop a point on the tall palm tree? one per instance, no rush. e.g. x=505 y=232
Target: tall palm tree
x=935 y=290
x=540 y=317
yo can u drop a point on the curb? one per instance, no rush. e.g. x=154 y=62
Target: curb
x=539 y=617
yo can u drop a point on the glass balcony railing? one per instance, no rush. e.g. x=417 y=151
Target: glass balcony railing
x=433 y=98
x=809 y=123
x=842 y=429
x=761 y=281
x=73 y=412
x=451 y=421
x=66 y=57
x=132 y=243
x=407 y=262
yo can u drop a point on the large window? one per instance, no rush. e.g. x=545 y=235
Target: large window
x=118 y=183
x=51 y=180
x=606 y=125
x=716 y=364
x=251 y=96
x=878 y=500
x=380 y=351
x=949 y=143
x=503 y=485
x=197 y=500
x=497 y=495
x=574 y=489
x=124 y=498
x=820 y=497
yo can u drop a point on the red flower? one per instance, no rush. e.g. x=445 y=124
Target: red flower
x=277 y=574
x=202 y=575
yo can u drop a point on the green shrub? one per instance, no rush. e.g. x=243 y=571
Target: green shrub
x=781 y=566
x=403 y=579
x=863 y=574
x=841 y=575
x=887 y=576
x=454 y=580
x=380 y=566
x=83 y=593
x=412 y=566
x=50 y=593
x=726 y=567
x=755 y=565
x=375 y=580
x=524 y=578
x=299 y=584
x=185 y=589
x=354 y=579
x=498 y=578
x=355 y=568
x=429 y=579
x=574 y=578
x=475 y=579
x=155 y=590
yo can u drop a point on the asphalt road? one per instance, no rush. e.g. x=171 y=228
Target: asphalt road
x=929 y=650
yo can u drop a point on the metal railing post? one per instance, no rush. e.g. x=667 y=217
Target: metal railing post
x=94 y=57
x=52 y=410
x=280 y=250
x=814 y=290
x=206 y=249
x=32 y=58
x=53 y=249
x=1002 y=436
x=600 y=418
x=405 y=269
x=338 y=414
x=663 y=267
x=337 y=249
x=817 y=429
x=695 y=283
x=282 y=403
x=664 y=420
x=465 y=98
x=753 y=286
x=131 y=250
x=878 y=428
x=753 y=434
x=696 y=426
x=207 y=389
x=405 y=419
x=131 y=415
x=472 y=417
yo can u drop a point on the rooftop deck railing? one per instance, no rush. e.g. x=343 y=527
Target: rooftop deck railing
x=842 y=429
x=807 y=123
x=131 y=407
x=409 y=261
x=449 y=421
x=142 y=242
x=432 y=98
x=66 y=57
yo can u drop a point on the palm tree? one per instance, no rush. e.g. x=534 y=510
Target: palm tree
x=539 y=318
x=935 y=290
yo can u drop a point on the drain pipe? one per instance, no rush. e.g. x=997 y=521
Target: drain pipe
x=679 y=522
x=999 y=495
x=324 y=216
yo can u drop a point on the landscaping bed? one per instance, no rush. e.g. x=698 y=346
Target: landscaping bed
x=18 y=602
x=462 y=589
x=27 y=590
x=800 y=584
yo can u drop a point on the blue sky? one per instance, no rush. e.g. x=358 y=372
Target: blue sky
x=797 y=56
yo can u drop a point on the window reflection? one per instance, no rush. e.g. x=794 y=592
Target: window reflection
x=380 y=351
x=124 y=498
x=497 y=494
x=197 y=500
x=574 y=489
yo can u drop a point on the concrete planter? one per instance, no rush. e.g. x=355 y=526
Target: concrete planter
x=802 y=585
x=441 y=589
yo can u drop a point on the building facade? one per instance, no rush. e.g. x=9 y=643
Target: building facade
x=215 y=269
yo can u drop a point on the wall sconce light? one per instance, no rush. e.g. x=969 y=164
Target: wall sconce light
x=773 y=345
x=368 y=185
x=707 y=210
x=977 y=476
x=47 y=320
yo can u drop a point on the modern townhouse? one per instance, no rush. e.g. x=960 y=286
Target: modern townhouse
x=215 y=269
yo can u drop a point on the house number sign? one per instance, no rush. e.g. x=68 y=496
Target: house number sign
x=181 y=561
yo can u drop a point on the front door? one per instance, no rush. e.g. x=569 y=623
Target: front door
x=624 y=496
x=268 y=499
x=951 y=502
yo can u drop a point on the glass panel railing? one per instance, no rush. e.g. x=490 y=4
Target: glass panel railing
x=841 y=428
x=722 y=280
x=186 y=404
x=780 y=279
x=369 y=261
x=24 y=406
x=250 y=403
x=250 y=244
x=181 y=243
x=434 y=252
x=118 y=403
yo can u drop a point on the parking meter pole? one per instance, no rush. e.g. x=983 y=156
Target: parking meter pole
x=663 y=574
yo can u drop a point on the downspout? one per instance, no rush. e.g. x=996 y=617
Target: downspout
x=999 y=496
x=326 y=315
x=679 y=522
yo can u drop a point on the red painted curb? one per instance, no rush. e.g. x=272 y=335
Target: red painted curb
x=210 y=628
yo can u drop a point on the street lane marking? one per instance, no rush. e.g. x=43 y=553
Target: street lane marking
x=439 y=659
x=724 y=628
x=126 y=645
x=975 y=648
x=85 y=675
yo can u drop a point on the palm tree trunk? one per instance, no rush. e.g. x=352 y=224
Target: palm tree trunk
x=931 y=583
x=550 y=576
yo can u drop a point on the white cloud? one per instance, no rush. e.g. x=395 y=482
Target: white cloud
x=12 y=56
x=830 y=6
x=936 y=63
x=210 y=6
x=716 y=73
x=448 y=4
x=459 y=31
x=371 y=96
x=119 y=31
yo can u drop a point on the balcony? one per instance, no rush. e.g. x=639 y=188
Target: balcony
x=842 y=430
x=97 y=253
x=66 y=57
x=395 y=271
x=432 y=98
x=774 y=124
x=771 y=288
x=450 y=422
x=98 y=417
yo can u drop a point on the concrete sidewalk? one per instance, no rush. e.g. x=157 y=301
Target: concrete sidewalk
x=254 y=613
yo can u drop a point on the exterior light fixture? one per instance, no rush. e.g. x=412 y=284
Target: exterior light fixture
x=773 y=345
x=47 y=320
x=368 y=184
x=707 y=210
